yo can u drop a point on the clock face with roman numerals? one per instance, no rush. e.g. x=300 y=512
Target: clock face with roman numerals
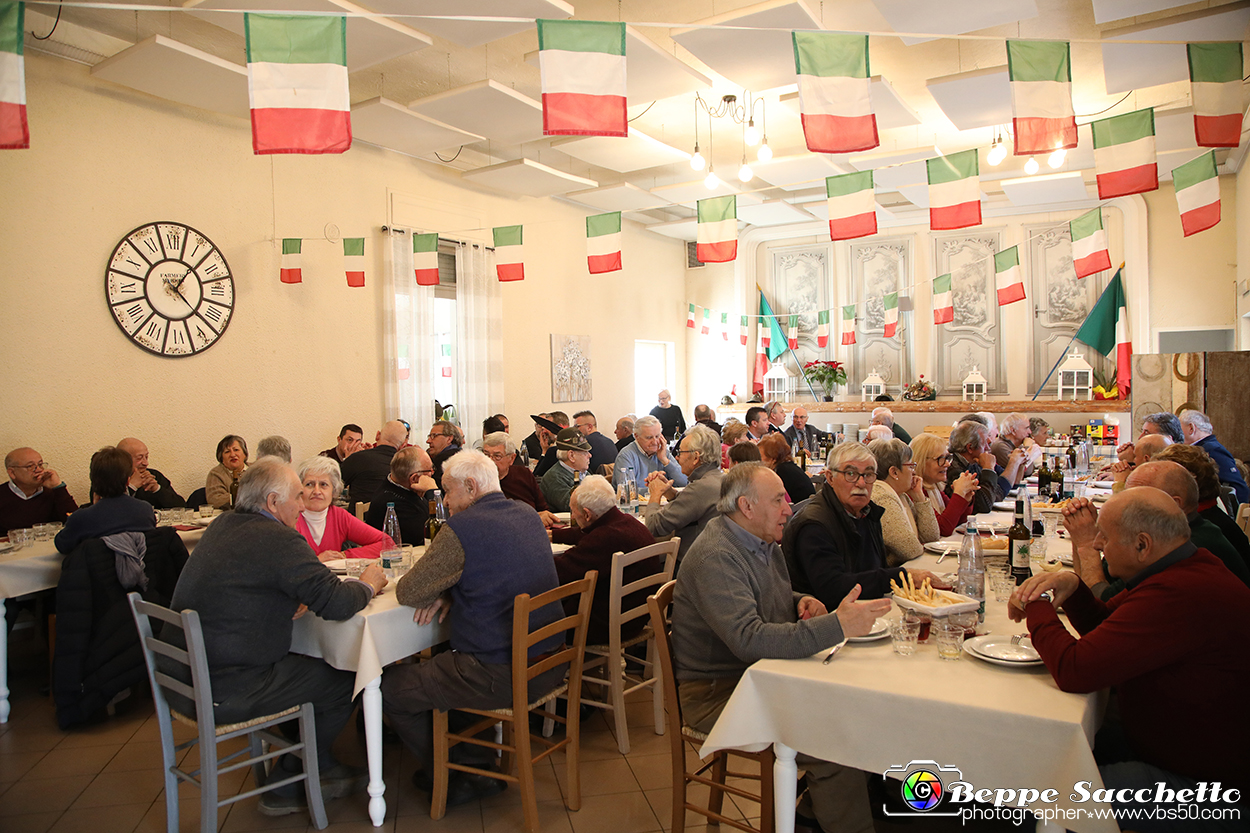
x=169 y=289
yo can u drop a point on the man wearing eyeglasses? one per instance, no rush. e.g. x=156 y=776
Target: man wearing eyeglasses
x=35 y=493
x=516 y=481
x=407 y=486
x=835 y=541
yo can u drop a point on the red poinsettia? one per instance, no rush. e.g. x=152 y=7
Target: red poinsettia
x=825 y=373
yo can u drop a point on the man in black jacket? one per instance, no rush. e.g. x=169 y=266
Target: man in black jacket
x=148 y=484
x=365 y=471
x=408 y=487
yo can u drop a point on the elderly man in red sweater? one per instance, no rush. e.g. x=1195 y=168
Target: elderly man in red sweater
x=1170 y=644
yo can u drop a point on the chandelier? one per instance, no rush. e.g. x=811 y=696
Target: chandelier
x=740 y=113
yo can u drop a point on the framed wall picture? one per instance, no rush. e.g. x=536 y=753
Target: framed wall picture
x=570 y=368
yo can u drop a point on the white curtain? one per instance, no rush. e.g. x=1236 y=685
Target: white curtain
x=479 y=351
x=409 y=339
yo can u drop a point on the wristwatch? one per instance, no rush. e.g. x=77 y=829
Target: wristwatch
x=1048 y=595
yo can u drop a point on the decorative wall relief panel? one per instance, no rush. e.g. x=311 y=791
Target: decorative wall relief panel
x=1060 y=303
x=880 y=266
x=974 y=337
x=803 y=285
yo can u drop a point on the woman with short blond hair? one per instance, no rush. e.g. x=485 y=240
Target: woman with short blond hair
x=932 y=457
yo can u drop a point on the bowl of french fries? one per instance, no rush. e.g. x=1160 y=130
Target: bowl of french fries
x=928 y=600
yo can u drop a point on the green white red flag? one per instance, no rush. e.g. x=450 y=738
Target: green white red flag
x=297 y=83
x=445 y=361
x=792 y=334
x=690 y=316
x=889 y=302
x=822 y=328
x=582 y=63
x=848 y=324
x=706 y=329
x=1041 y=95
x=954 y=191
x=403 y=368
x=724 y=326
x=852 y=205
x=718 y=230
x=292 y=271
x=943 y=306
x=1124 y=154
x=354 y=260
x=509 y=253
x=1106 y=330
x=834 y=91
x=425 y=258
x=14 y=129
x=603 y=243
x=744 y=325
x=1089 y=244
x=1008 y=276
x=1215 y=72
x=1197 y=185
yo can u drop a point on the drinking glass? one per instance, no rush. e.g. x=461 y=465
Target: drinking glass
x=950 y=638
x=922 y=620
x=356 y=566
x=42 y=532
x=1003 y=585
x=206 y=511
x=19 y=538
x=905 y=635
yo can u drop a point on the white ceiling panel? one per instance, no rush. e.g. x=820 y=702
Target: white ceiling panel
x=392 y=125
x=470 y=33
x=800 y=171
x=689 y=192
x=642 y=218
x=174 y=71
x=488 y=109
x=900 y=174
x=1174 y=130
x=621 y=153
x=820 y=210
x=952 y=17
x=369 y=40
x=1106 y=11
x=525 y=176
x=978 y=98
x=1131 y=66
x=1045 y=188
x=621 y=197
x=890 y=108
x=678 y=229
x=918 y=195
x=756 y=60
x=773 y=213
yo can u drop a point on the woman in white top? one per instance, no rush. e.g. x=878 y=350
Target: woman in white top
x=909 y=520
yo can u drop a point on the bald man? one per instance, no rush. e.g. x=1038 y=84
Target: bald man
x=148 y=484
x=1141 y=452
x=1155 y=644
x=365 y=471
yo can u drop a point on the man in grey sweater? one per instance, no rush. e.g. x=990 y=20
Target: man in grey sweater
x=688 y=512
x=734 y=605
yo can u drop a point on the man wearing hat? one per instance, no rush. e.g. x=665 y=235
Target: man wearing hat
x=572 y=460
x=558 y=421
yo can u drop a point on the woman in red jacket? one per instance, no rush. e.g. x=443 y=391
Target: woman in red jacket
x=327 y=527
x=932 y=458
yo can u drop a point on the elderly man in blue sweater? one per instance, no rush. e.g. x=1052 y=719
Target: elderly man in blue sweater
x=646 y=455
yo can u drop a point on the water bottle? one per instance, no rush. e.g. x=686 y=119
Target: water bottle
x=392 y=556
x=971 y=577
x=523 y=455
x=633 y=486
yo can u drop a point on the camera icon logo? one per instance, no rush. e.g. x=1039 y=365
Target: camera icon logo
x=922 y=787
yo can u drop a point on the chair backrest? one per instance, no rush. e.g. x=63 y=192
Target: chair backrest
x=1229 y=499
x=193 y=657
x=1243 y=517
x=198 y=498
x=606 y=469
x=570 y=654
x=361 y=509
x=658 y=606
x=618 y=614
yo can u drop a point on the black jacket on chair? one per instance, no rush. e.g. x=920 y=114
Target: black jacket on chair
x=97 y=645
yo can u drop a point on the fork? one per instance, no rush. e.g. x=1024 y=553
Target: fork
x=1015 y=640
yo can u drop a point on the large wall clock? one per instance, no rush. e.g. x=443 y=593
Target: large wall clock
x=169 y=289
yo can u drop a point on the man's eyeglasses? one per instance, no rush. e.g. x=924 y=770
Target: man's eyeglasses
x=497 y=455
x=685 y=451
x=851 y=475
x=424 y=472
x=40 y=466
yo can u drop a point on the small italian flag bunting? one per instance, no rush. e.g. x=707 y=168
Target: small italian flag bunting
x=1215 y=72
x=690 y=316
x=354 y=260
x=890 y=303
x=718 y=230
x=445 y=360
x=852 y=205
x=14 y=130
x=1008 y=276
x=403 y=368
x=943 y=306
x=822 y=328
x=792 y=334
x=848 y=324
x=297 y=83
x=1041 y=95
x=744 y=325
x=1089 y=244
x=724 y=326
x=291 y=270
x=1124 y=154
x=603 y=243
x=707 y=322
x=1197 y=185
x=834 y=91
x=766 y=330
x=954 y=191
x=509 y=255
x=582 y=63
x=425 y=259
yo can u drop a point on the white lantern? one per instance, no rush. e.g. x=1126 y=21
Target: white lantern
x=872 y=387
x=974 y=385
x=1076 y=379
x=778 y=383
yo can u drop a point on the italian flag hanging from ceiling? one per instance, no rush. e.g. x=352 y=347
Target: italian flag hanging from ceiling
x=848 y=324
x=292 y=271
x=822 y=328
x=14 y=129
x=1124 y=154
x=690 y=316
x=706 y=329
x=943 y=306
x=1215 y=73
x=852 y=205
x=718 y=230
x=1197 y=185
x=889 y=303
x=603 y=243
x=1089 y=244
x=1008 y=277
x=354 y=260
x=954 y=191
x=425 y=259
x=509 y=254
x=834 y=91
x=724 y=326
x=744 y=324
x=1041 y=96
x=582 y=63
x=297 y=83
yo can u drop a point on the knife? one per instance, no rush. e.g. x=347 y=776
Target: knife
x=835 y=650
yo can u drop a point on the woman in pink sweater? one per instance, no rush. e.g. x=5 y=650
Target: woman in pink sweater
x=327 y=527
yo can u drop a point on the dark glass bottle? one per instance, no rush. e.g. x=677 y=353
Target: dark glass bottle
x=1019 y=542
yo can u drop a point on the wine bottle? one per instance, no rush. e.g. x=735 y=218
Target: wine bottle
x=437 y=517
x=1019 y=542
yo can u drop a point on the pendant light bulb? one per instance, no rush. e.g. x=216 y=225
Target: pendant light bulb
x=712 y=181
x=751 y=135
x=1056 y=158
x=998 y=152
x=1031 y=166
x=697 y=162
x=765 y=152
x=745 y=173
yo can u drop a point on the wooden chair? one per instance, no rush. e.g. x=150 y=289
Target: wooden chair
x=361 y=509
x=606 y=469
x=209 y=733
x=718 y=764
x=518 y=742
x=1243 y=517
x=611 y=658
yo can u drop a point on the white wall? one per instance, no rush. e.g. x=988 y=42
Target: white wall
x=296 y=360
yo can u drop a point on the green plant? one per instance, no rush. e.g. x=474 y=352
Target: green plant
x=825 y=373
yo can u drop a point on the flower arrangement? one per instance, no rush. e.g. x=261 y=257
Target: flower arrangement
x=827 y=374
x=920 y=391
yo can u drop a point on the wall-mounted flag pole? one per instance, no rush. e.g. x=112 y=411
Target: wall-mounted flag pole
x=354 y=260
x=292 y=271
x=425 y=259
x=509 y=253
x=582 y=65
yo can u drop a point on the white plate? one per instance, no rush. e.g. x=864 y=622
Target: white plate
x=880 y=630
x=337 y=565
x=987 y=528
x=1005 y=506
x=999 y=651
x=942 y=547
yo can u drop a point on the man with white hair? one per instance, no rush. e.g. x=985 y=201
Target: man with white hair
x=491 y=550
x=776 y=416
x=878 y=432
x=672 y=422
x=1014 y=434
x=516 y=481
x=624 y=432
x=801 y=432
x=688 y=511
x=274 y=446
x=970 y=451
x=1197 y=429
x=148 y=484
x=884 y=416
x=365 y=471
x=645 y=455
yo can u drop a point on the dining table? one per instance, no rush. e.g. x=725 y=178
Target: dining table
x=962 y=719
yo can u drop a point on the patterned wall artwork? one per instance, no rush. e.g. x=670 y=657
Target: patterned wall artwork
x=570 y=368
x=973 y=338
x=802 y=284
x=878 y=267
